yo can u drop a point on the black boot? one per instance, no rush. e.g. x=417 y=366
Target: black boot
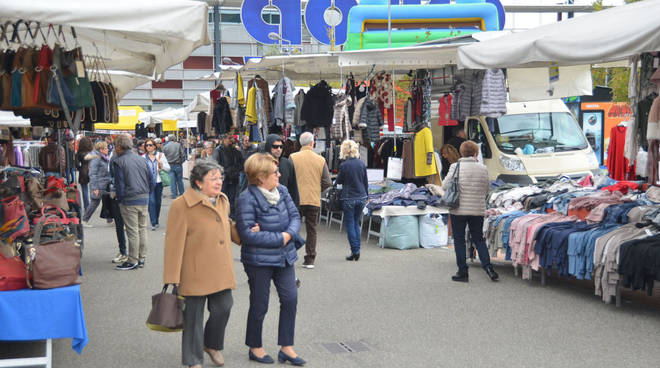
x=460 y=277
x=356 y=256
x=491 y=273
x=351 y=257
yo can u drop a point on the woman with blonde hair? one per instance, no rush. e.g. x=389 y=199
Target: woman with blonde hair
x=355 y=188
x=268 y=224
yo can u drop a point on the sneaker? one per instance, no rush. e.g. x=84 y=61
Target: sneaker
x=109 y=221
x=126 y=266
x=141 y=263
x=157 y=226
x=153 y=227
x=86 y=224
x=308 y=266
x=120 y=258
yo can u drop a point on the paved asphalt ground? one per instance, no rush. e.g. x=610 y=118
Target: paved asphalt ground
x=401 y=305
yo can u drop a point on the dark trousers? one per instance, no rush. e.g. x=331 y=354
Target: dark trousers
x=115 y=213
x=475 y=224
x=85 y=194
x=285 y=283
x=155 y=200
x=311 y=215
x=196 y=336
x=230 y=188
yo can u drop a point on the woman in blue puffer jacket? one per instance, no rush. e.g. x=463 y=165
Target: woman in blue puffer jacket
x=268 y=224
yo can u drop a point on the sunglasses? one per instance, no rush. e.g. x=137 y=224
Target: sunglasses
x=277 y=146
x=148 y=145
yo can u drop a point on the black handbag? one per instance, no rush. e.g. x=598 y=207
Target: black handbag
x=334 y=199
x=453 y=191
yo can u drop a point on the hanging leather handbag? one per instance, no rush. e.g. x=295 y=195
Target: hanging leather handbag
x=30 y=61
x=17 y=78
x=78 y=81
x=14 y=210
x=42 y=77
x=35 y=193
x=54 y=263
x=334 y=199
x=5 y=78
x=166 y=313
x=453 y=191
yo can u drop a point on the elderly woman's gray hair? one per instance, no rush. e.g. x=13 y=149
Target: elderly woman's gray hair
x=201 y=169
x=306 y=138
x=124 y=142
x=349 y=149
x=208 y=144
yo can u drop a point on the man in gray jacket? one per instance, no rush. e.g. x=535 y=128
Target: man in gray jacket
x=133 y=183
x=175 y=156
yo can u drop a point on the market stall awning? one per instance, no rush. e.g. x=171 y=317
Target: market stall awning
x=8 y=119
x=609 y=35
x=295 y=67
x=128 y=118
x=199 y=103
x=158 y=117
x=143 y=37
x=413 y=57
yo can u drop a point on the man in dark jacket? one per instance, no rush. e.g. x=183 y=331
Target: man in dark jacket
x=133 y=182
x=458 y=138
x=275 y=146
x=231 y=161
x=176 y=156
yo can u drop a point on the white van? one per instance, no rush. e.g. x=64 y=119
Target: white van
x=534 y=141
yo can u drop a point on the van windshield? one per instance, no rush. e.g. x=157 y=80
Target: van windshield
x=538 y=133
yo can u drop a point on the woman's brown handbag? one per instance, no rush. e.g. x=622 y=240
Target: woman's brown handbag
x=166 y=311
x=54 y=263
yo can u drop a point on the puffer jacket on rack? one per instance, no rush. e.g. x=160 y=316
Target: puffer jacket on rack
x=340 y=128
x=493 y=94
x=373 y=118
x=317 y=109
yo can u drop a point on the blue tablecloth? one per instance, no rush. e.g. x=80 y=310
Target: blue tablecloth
x=43 y=314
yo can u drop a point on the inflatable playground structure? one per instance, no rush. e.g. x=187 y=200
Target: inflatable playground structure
x=413 y=22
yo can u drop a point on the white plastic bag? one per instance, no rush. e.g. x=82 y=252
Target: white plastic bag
x=433 y=231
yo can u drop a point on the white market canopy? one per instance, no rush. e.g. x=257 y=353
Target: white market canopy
x=150 y=118
x=141 y=37
x=605 y=36
x=8 y=119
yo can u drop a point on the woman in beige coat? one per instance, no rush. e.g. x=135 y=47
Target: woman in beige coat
x=473 y=188
x=198 y=258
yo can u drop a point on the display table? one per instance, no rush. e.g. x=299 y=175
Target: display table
x=42 y=315
x=387 y=211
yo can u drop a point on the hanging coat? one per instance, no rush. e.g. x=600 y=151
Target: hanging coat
x=317 y=109
x=340 y=128
x=372 y=117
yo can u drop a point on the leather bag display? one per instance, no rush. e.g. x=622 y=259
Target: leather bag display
x=166 y=311
x=452 y=193
x=14 y=210
x=12 y=273
x=334 y=199
x=54 y=263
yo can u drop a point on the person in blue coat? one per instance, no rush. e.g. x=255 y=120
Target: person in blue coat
x=268 y=224
x=355 y=191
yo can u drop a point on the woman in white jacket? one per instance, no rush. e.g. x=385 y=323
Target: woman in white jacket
x=157 y=163
x=473 y=188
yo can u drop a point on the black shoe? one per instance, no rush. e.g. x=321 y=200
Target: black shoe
x=351 y=257
x=460 y=277
x=266 y=359
x=356 y=256
x=141 y=262
x=492 y=274
x=126 y=266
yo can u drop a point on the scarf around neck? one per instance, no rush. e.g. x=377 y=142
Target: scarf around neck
x=272 y=196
